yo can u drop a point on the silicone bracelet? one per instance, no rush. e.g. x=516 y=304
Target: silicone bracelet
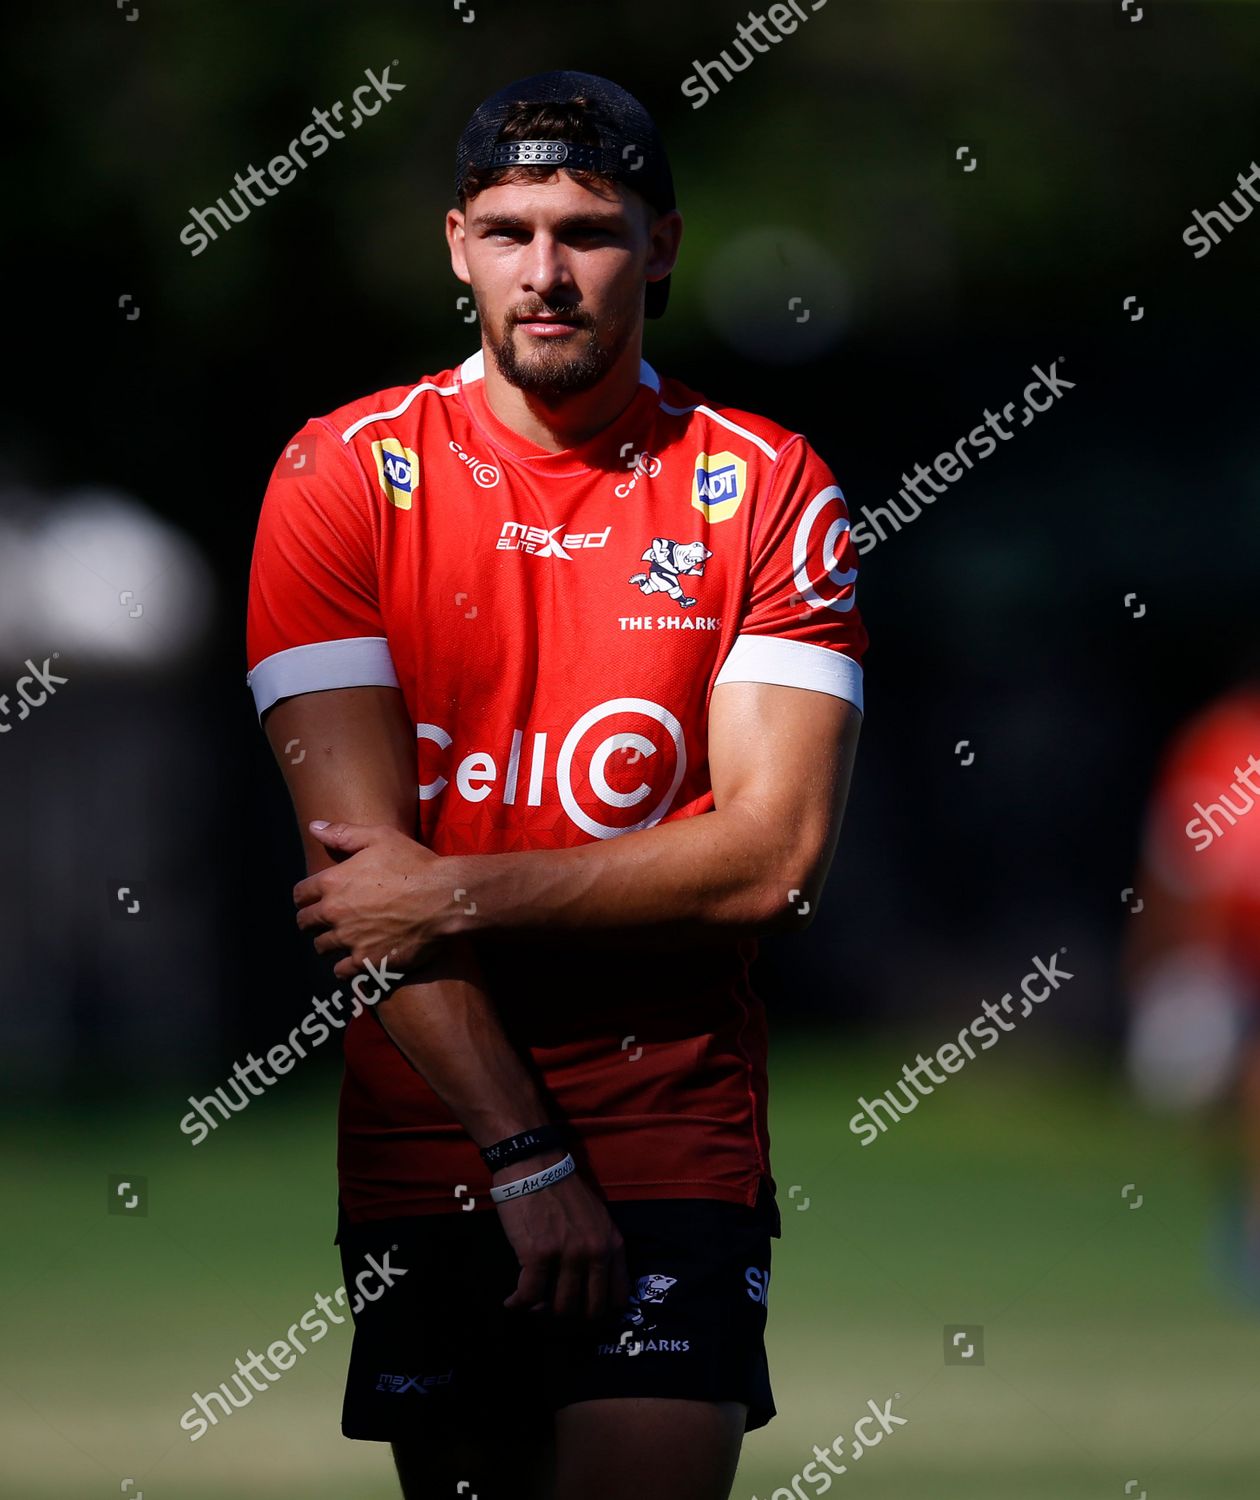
x=535 y=1182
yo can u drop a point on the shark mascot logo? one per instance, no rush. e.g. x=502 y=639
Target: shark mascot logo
x=651 y=1288
x=668 y=562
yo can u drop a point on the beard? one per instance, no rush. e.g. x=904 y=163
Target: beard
x=554 y=367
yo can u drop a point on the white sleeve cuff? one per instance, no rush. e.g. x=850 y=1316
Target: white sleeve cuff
x=363 y=661
x=768 y=658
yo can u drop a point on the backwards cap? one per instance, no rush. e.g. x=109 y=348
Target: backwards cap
x=630 y=148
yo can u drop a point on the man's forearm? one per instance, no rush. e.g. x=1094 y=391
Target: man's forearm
x=720 y=874
x=444 y=1024
x=362 y=765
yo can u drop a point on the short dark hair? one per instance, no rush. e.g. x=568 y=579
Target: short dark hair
x=525 y=121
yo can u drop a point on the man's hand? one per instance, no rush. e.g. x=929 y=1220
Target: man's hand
x=384 y=902
x=563 y=1232
x=780 y=759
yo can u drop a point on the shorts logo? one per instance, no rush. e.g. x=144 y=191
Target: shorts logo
x=651 y=1288
x=484 y=474
x=397 y=468
x=399 y=1385
x=720 y=483
x=822 y=537
x=669 y=561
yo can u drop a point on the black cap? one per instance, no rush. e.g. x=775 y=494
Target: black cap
x=630 y=148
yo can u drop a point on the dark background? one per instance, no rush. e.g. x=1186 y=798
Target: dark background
x=997 y=617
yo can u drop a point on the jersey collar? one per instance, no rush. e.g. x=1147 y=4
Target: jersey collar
x=603 y=451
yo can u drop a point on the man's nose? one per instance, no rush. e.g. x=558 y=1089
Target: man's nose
x=545 y=270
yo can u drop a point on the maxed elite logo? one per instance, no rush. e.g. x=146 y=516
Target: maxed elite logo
x=721 y=479
x=399 y=1385
x=397 y=469
x=515 y=536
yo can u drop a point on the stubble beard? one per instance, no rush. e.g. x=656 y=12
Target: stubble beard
x=575 y=364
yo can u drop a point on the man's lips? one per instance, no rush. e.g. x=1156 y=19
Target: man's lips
x=548 y=327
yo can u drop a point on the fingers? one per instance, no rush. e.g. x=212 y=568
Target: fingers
x=349 y=838
x=531 y=1288
x=334 y=835
x=618 y=1281
x=582 y=1288
x=597 y=1288
x=569 y=1287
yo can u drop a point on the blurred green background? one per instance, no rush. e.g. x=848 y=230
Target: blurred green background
x=1112 y=1350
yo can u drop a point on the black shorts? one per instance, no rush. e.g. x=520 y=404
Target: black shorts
x=437 y=1346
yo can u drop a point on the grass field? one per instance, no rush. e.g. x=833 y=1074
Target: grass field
x=1111 y=1353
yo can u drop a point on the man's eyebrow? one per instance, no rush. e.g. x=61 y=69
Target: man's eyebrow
x=493 y=220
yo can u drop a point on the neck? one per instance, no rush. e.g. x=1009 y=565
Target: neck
x=569 y=419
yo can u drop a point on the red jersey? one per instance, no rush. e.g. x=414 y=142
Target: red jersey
x=1202 y=837
x=556 y=623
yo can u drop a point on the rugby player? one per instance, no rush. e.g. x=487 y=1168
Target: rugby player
x=607 y=628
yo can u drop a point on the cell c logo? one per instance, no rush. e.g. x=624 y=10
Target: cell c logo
x=611 y=745
x=484 y=474
x=825 y=510
x=644 y=463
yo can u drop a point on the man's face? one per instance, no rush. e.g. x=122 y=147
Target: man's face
x=556 y=251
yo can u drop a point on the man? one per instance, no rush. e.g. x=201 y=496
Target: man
x=1192 y=956
x=448 y=585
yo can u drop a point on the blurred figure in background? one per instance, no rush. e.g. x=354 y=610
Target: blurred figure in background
x=111 y=769
x=1193 y=955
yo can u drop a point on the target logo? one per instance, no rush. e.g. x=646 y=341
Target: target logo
x=821 y=535
x=617 y=769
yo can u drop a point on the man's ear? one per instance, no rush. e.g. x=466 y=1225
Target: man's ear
x=666 y=235
x=456 y=232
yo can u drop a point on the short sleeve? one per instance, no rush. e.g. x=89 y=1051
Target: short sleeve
x=314 y=619
x=801 y=625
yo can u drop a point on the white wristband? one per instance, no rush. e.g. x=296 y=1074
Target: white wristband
x=535 y=1182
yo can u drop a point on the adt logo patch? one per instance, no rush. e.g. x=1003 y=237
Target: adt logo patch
x=398 y=469
x=720 y=483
